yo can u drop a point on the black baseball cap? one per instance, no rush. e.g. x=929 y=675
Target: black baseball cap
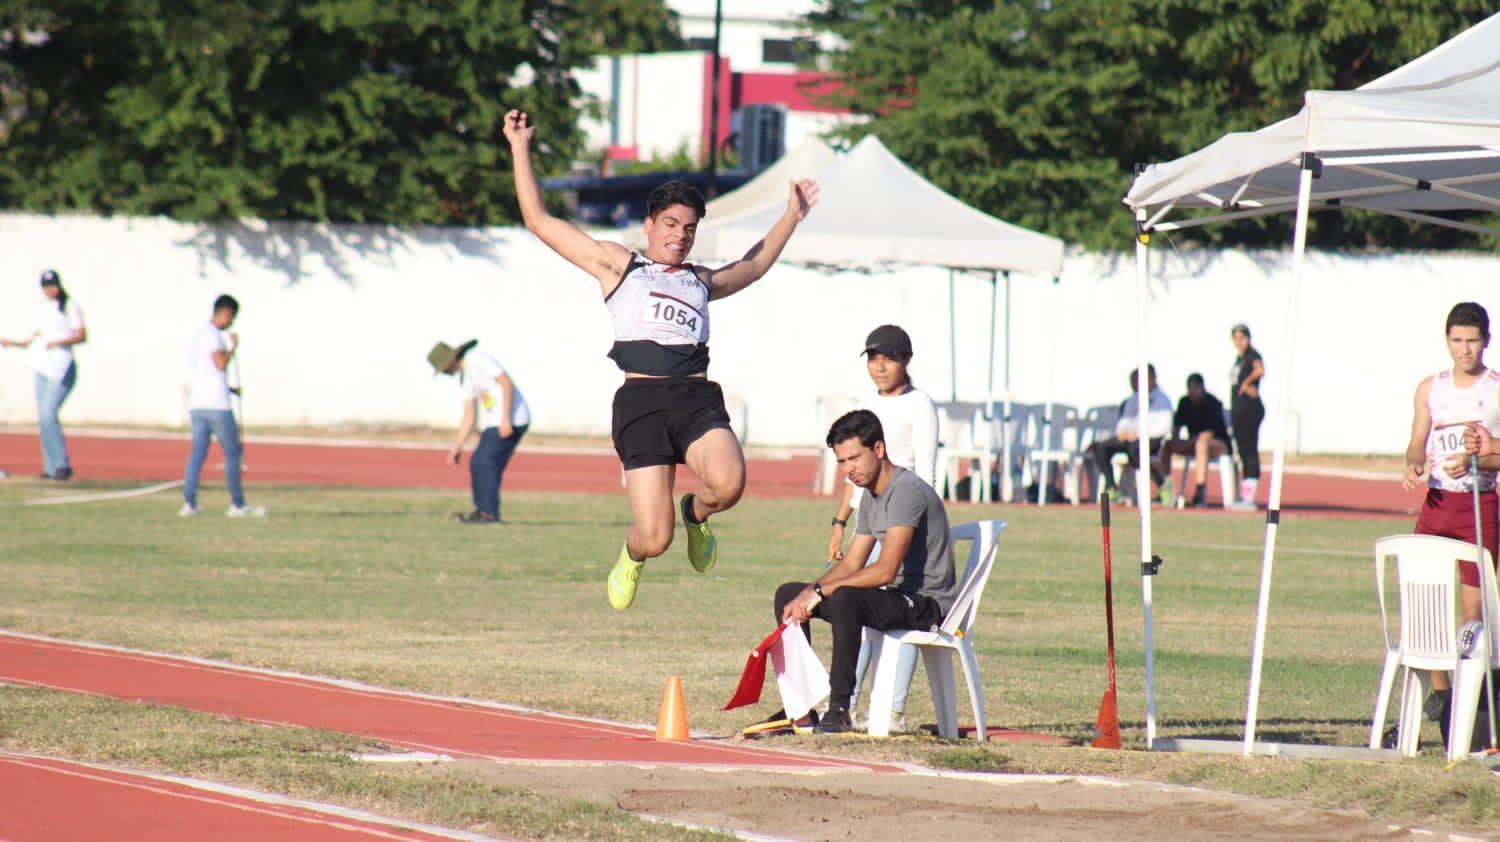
x=50 y=279
x=889 y=340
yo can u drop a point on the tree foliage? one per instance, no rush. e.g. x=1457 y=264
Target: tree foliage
x=341 y=110
x=1038 y=111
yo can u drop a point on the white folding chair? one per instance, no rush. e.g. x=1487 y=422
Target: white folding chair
x=1229 y=480
x=1426 y=577
x=1012 y=427
x=938 y=645
x=1468 y=679
x=965 y=436
x=1098 y=423
x=1055 y=442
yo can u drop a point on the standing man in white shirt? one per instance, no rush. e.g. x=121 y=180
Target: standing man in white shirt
x=494 y=405
x=209 y=408
x=49 y=353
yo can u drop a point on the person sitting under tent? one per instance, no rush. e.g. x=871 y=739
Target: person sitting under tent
x=1202 y=415
x=1158 y=427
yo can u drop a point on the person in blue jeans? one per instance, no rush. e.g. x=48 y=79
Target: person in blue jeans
x=494 y=406
x=209 y=408
x=49 y=353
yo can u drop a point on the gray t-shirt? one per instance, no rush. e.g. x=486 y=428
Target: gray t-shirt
x=928 y=566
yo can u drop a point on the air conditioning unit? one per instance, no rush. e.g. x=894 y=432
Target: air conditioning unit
x=762 y=136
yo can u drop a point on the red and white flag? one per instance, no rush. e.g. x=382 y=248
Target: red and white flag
x=799 y=674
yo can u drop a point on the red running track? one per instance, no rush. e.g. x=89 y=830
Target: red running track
x=162 y=458
x=57 y=801
x=425 y=723
x=315 y=463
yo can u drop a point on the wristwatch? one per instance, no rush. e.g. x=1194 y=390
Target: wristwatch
x=837 y=522
x=818 y=589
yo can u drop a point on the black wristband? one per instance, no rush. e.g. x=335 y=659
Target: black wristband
x=837 y=522
x=818 y=589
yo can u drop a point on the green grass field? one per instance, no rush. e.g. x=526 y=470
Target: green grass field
x=378 y=586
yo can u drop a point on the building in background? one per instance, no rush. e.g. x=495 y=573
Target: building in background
x=657 y=107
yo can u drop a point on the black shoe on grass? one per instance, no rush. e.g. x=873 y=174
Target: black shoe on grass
x=835 y=721
x=476 y=518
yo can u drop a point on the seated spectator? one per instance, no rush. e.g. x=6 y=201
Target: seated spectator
x=1202 y=415
x=1127 y=434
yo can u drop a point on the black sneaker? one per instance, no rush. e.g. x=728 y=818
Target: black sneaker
x=476 y=518
x=1388 y=739
x=1436 y=706
x=779 y=724
x=835 y=721
x=63 y=474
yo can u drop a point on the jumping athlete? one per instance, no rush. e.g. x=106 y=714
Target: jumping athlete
x=1446 y=403
x=667 y=412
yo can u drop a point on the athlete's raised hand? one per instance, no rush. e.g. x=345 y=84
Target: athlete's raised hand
x=802 y=197
x=518 y=128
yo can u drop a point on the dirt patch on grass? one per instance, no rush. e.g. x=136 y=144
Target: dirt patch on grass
x=898 y=807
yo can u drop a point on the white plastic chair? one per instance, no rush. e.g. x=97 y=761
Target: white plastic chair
x=1229 y=480
x=1468 y=679
x=1097 y=423
x=938 y=645
x=1011 y=429
x=965 y=436
x=1054 y=441
x=1426 y=576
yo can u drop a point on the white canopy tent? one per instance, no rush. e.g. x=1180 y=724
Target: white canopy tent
x=1421 y=140
x=873 y=209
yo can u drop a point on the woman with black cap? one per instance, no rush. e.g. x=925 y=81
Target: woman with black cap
x=50 y=354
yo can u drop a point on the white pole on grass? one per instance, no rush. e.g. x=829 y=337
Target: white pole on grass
x=1310 y=167
x=1142 y=473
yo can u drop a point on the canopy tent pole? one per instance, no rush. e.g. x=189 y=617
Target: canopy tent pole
x=1310 y=167
x=952 y=343
x=990 y=383
x=1142 y=474
x=1007 y=480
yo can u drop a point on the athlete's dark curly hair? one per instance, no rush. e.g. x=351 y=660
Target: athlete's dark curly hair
x=675 y=192
x=860 y=424
x=1468 y=314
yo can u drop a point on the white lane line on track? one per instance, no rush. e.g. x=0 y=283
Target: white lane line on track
x=103 y=495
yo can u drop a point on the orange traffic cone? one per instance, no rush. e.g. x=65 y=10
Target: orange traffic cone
x=672 y=724
x=1107 y=726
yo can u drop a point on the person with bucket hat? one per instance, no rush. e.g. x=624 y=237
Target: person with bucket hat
x=667 y=412
x=494 y=406
x=49 y=353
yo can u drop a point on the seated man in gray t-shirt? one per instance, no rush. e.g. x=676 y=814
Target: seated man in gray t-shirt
x=910 y=586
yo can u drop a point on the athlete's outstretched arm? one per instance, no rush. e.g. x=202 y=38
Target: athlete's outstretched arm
x=604 y=260
x=730 y=279
x=1416 y=446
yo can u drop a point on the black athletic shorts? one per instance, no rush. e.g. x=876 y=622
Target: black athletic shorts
x=655 y=419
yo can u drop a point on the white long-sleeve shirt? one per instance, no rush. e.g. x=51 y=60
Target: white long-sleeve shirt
x=911 y=433
x=1158 y=415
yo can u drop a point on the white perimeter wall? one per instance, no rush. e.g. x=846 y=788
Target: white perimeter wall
x=336 y=323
